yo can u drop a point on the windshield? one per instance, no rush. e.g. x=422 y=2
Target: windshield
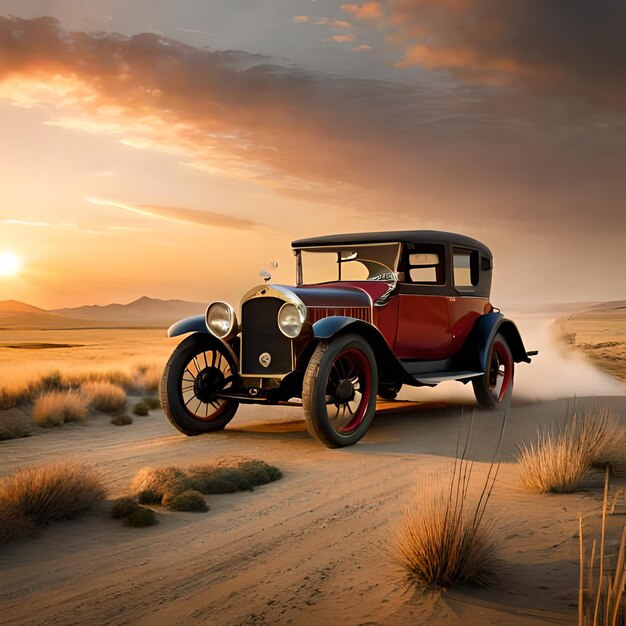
x=349 y=263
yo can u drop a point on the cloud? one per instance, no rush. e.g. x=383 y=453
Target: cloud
x=181 y=215
x=323 y=21
x=341 y=38
x=361 y=48
x=364 y=11
x=558 y=47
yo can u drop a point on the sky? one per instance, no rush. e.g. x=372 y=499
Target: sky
x=175 y=148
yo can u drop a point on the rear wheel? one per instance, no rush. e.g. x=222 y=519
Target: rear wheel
x=198 y=369
x=492 y=388
x=339 y=391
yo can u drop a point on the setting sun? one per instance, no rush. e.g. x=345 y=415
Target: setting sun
x=9 y=264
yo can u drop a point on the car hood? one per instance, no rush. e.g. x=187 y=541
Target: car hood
x=357 y=294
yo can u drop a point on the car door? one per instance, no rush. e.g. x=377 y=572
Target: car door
x=422 y=329
x=470 y=300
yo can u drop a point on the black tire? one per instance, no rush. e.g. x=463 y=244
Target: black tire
x=344 y=369
x=490 y=391
x=389 y=393
x=199 y=365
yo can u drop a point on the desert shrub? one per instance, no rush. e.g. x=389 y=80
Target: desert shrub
x=150 y=484
x=123 y=507
x=52 y=381
x=104 y=396
x=141 y=409
x=54 y=408
x=79 y=378
x=146 y=377
x=562 y=457
x=142 y=517
x=17 y=391
x=13 y=524
x=13 y=426
x=121 y=420
x=153 y=402
x=190 y=500
x=49 y=493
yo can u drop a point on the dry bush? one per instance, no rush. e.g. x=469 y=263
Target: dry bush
x=122 y=420
x=151 y=484
x=142 y=517
x=13 y=524
x=123 y=507
x=104 y=396
x=190 y=500
x=153 y=402
x=443 y=543
x=13 y=425
x=52 y=492
x=70 y=380
x=141 y=409
x=146 y=376
x=562 y=457
x=16 y=392
x=54 y=408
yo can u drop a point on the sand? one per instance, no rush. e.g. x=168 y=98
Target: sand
x=311 y=548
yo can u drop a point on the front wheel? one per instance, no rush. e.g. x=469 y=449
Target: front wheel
x=339 y=391
x=492 y=388
x=199 y=368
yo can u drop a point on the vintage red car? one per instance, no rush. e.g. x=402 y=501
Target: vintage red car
x=370 y=312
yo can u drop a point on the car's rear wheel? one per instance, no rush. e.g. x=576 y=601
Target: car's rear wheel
x=199 y=368
x=492 y=388
x=339 y=391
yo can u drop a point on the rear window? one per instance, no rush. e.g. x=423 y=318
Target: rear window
x=426 y=265
x=465 y=267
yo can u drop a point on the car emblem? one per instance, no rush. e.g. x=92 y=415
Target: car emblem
x=265 y=359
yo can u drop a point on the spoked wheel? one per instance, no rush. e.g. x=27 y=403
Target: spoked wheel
x=492 y=388
x=339 y=391
x=199 y=368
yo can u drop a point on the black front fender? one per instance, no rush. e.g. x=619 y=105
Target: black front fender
x=390 y=370
x=194 y=324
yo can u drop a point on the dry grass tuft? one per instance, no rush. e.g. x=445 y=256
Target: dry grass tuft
x=141 y=409
x=13 y=426
x=142 y=517
x=153 y=402
x=151 y=484
x=123 y=507
x=122 y=420
x=104 y=396
x=13 y=524
x=146 y=377
x=59 y=407
x=49 y=493
x=562 y=457
x=190 y=500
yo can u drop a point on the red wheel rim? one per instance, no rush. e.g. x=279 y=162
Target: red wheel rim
x=206 y=373
x=348 y=391
x=500 y=371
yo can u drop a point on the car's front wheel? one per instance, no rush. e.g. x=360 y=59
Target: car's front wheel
x=492 y=388
x=198 y=369
x=339 y=391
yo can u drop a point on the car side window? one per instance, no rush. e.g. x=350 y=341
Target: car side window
x=426 y=265
x=465 y=267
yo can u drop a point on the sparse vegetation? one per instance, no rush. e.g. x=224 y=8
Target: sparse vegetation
x=153 y=402
x=562 y=457
x=123 y=507
x=601 y=596
x=151 y=484
x=141 y=409
x=13 y=426
x=104 y=396
x=142 y=517
x=54 y=408
x=122 y=420
x=190 y=500
x=38 y=496
x=146 y=377
x=445 y=539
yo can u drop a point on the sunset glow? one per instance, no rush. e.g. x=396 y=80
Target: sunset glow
x=9 y=264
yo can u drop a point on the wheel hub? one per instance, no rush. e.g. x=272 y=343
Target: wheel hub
x=208 y=381
x=345 y=391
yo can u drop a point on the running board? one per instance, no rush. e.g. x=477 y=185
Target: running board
x=435 y=378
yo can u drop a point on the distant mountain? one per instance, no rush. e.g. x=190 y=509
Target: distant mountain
x=142 y=312
x=614 y=304
x=18 y=315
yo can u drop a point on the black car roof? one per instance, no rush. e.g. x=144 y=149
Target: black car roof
x=393 y=236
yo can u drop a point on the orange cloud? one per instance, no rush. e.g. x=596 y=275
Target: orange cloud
x=323 y=21
x=341 y=38
x=364 y=11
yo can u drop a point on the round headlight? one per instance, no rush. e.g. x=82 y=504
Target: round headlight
x=290 y=320
x=221 y=320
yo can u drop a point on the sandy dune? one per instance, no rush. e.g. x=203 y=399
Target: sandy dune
x=311 y=548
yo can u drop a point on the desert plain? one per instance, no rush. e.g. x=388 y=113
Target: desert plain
x=315 y=547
